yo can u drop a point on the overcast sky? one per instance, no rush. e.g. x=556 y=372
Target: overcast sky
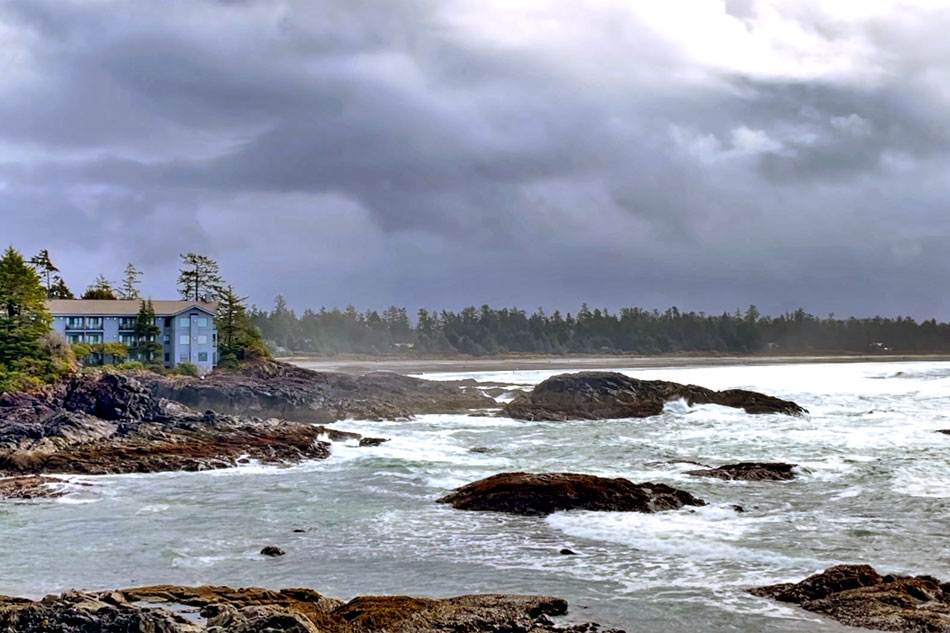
x=442 y=153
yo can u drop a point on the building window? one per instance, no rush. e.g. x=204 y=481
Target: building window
x=202 y=339
x=93 y=338
x=128 y=339
x=74 y=323
x=183 y=357
x=202 y=321
x=184 y=322
x=126 y=323
x=74 y=338
x=202 y=357
x=168 y=339
x=94 y=323
x=184 y=339
x=167 y=356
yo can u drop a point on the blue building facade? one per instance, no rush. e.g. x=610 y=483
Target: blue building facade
x=188 y=332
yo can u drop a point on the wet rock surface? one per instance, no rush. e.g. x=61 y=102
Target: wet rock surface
x=30 y=487
x=172 y=609
x=542 y=494
x=142 y=422
x=372 y=441
x=857 y=595
x=273 y=389
x=113 y=423
x=749 y=471
x=607 y=395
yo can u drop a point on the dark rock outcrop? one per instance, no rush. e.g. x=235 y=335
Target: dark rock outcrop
x=606 y=395
x=279 y=390
x=227 y=610
x=749 y=471
x=857 y=595
x=372 y=441
x=542 y=494
x=112 y=423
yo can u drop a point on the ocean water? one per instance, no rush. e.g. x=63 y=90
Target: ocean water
x=873 y=487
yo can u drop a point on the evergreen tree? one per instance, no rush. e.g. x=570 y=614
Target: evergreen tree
x=238 y=339
x=45 y=267
x=59 y=289
x=24 y=321
x=146 y=333
x=198 y=279
x=100 y=289
x=130 y=283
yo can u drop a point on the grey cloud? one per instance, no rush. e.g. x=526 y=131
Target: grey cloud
x=366 y=152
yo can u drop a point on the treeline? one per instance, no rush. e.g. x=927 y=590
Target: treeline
x=489 y=331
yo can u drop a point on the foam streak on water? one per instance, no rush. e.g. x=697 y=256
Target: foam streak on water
x=874 y=487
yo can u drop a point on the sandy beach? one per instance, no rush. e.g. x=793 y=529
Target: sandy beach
x=516 y=363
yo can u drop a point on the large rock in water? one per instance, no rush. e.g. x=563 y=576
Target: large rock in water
x=227 y=610
x=542 y=494
x=604 y=395
x=857 y=595
x=748 y=471
x=279 y=390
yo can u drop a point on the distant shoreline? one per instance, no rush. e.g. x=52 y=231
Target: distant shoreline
x=405 y=365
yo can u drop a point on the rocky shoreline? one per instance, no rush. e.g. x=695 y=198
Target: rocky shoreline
x=215 y=609
x=141 y=422
x=857 y=595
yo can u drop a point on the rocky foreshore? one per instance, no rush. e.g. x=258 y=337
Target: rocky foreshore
x=857 y=595
x=141 y=422
x=278 y=390
x=609 y=395
x=174 y=609
x=541 y=494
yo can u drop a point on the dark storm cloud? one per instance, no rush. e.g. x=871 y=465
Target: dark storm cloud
x=383 y=153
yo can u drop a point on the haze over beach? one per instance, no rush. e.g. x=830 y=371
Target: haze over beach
x=448 y=316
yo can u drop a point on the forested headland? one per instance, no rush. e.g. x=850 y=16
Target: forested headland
x=491 y=331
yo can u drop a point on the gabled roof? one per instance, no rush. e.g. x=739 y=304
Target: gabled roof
x=104 y=307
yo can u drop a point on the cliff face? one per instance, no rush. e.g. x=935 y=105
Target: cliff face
x=606 y=395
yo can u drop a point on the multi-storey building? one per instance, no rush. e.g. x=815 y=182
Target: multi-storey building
x=188 y=332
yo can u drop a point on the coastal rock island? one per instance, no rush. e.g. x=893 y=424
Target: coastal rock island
x=542 y=494
x=857 y=595
x=213 y=609
x=596 y=395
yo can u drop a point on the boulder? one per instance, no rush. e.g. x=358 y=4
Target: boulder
x=372 y=441
x=606 y=395
x=542 y=494
x=748 y=471
x=272 y=550
x=857 y=595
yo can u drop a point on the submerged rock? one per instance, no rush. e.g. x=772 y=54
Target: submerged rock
x=857 y=595
x=606 y=395
x=30 y=487
x=227 y=610
x=372 y=441
x=542 y=494
x=749 y=471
